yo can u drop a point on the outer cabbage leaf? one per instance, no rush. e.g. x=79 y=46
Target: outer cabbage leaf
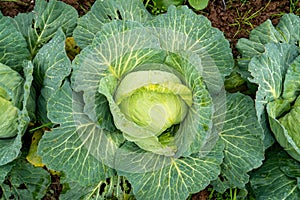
x=178 y=178
x=13 y=47
x=25 y=182
x=176 y=32
x=51 y=66
x=278 y=178
x=10 y=147
x=64 y=149
x=103 y=12
x=114 y=187
x=242 y=136
x=39 y=26
x=276 y=72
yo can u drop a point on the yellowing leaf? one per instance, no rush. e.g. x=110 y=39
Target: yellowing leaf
x=71 y=48
x=32 y=156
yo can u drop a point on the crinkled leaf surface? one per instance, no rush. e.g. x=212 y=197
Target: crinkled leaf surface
x=13 y=46
x=51 y=66
x=278 y=178
x=103 y=12
x=41 y=25
x=26 y=182
x=243 y=139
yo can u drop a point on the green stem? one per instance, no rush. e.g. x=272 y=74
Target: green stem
x=39 y=127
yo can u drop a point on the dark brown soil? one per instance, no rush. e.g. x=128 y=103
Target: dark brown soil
x=236 y=19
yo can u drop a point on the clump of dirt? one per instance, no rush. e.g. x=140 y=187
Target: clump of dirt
x=236 y=19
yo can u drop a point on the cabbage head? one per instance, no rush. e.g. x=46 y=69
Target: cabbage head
x=146 y=101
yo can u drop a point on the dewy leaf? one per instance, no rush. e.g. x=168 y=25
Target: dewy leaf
x=242 y=136
x=277 y=178
x=13 y=47
x=286 y=31
x=179 y=177
x=68 y=148
x=268 y=71
x=291 y=85
x=51 y=66
x=46 y=20
x=103 y=12
x=26 y=182
x=288 y=28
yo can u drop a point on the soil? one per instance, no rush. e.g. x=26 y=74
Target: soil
x=236 y=18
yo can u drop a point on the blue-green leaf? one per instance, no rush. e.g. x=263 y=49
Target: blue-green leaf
x=278 y=178
x=243 y=139
x=13 y=46
x=51 y=66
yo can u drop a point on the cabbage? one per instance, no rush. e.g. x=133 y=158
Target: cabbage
x=275 y=68
x=271 y=56
x=146 y=101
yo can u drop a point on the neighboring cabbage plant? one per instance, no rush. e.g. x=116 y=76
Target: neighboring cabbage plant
x=15 y=84
x=272 y=54
x=272 y=57
x=146 y=101
x=33 y=64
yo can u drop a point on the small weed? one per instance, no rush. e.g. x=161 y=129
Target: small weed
x=294 y=7
x=229 y=194
x=244 y=18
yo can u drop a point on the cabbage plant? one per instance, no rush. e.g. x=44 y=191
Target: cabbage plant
x=271 y=55
x=15 y=84
x=146 y=101
x=32 y=52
